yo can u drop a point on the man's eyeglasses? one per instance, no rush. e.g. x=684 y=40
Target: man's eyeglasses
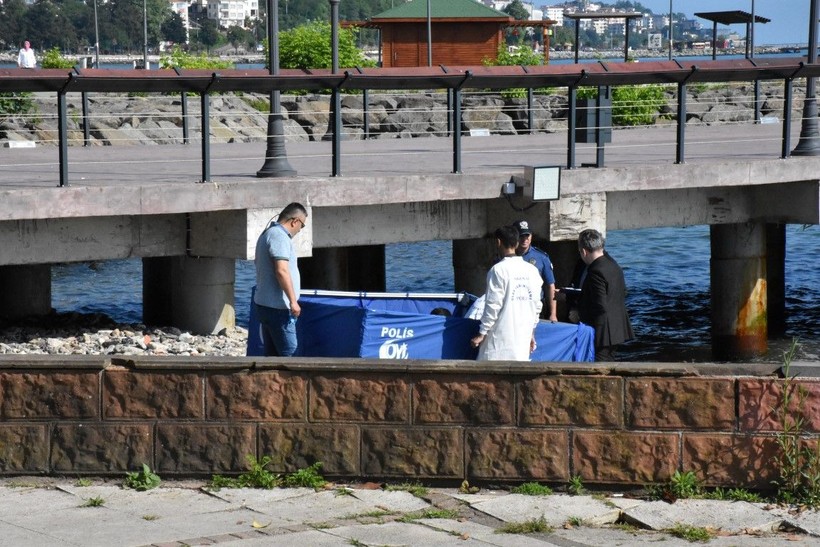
x=300 y=221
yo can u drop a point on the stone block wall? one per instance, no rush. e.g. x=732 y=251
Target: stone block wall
x=621 y=424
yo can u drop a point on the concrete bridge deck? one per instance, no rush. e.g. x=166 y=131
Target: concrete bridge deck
x=145 y=201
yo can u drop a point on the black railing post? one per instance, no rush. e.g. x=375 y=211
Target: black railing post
x=530 y=116
x=185 y=134
x=572 y=108
x=456 y=130
x=680 y=148
x=206 y=137
x=785 y=151
x=86 y=128
x=62 y=131
x=364 y=114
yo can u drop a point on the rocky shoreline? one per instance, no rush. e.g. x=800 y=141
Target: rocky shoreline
x=96 y=334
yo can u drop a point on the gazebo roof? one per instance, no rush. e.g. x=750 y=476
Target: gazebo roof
x=730 y=17
x=441 y=9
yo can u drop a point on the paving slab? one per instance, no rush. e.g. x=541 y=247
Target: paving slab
x=399 y=534
x=807 y=522
x=464 y=529
x=556 y=509
x=399 y=501
x=733 y=517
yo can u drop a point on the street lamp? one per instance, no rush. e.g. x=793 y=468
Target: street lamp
x=96 y=38
x=809 y=144
x=336 y=96
x=671 y=30
x=429 y=37
x=276 y=161
x=144 y=34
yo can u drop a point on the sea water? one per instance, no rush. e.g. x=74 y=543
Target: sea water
x=666 y=270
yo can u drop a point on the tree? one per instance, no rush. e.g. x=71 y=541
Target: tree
x=208 y=34
x=236 y=36
x=11 y=22
x=173 y=29
x=309 y=46
x=517 y=10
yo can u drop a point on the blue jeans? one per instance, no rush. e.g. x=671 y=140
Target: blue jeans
x=278 y=331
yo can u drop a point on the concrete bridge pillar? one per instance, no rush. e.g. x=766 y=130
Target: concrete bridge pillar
x=564 y=256
x=25 y=291
x=776 y=278
x=472 y=258
x=739 y=290
x=359 y=268
x=193 y=294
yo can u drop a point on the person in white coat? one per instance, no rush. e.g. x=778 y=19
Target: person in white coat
x=512 y=304
x=26 y=58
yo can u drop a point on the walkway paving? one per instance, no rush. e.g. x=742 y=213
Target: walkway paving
x=135 y=165
x=47 y=512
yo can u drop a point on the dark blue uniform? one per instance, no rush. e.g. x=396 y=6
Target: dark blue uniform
x=541 y=261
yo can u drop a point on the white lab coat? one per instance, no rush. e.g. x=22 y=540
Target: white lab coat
x=511 y=308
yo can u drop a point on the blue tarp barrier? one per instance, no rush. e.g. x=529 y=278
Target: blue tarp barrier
x=400 y=326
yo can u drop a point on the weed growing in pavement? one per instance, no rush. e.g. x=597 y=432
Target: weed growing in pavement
x=415 y=488
x=690 y=533
x=82 y=483
x=342 y=491
x=531 y=526
x=356 y=543
x=576 y=485
x=797 y=463
x=430 y=514
x=369 y=517
x=150 y=517
x=142 y=480
x=93 y=502
x=257 y=476
x=575 y=521
x=685 y=485
x=734 y=494
x=626 y=527
x=532 y=489
x=308 y=477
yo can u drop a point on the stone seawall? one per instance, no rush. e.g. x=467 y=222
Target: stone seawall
x=623 y=424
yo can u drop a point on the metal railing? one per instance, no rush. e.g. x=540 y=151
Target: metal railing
x=461 y=85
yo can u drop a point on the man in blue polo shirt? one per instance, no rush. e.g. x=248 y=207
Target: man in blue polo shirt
x=542 y=263
x=278 y=282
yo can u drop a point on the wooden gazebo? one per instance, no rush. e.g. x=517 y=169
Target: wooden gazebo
x=463 y=32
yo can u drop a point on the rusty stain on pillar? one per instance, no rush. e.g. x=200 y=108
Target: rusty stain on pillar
x=739 y=291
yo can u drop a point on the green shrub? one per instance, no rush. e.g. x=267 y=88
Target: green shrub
x=307 y=46
x=16 y=104
x=532 y=489
x=631 y=104
x=182 y=59
x=54 y=59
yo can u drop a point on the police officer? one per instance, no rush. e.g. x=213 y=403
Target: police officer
x=542 y=263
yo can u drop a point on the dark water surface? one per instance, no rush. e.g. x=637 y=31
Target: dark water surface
x=667 y=274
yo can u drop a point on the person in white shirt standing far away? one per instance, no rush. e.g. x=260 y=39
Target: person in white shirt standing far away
x=512 y=304
x=26 y=58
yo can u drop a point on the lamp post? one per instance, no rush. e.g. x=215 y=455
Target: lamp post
x=429 y=36
x=144 y=34
x=671 y=30
x=96 y=38
x=276 y=161
x=809 y=144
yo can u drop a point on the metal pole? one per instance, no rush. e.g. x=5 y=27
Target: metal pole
x=96 y=38
x=671 y=30
x=752 y=33
x=336 y=95
x=809 y=144
x=144 y=34
x=276 y=161
x=429 y=36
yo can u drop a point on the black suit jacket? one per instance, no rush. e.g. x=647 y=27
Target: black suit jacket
x=602 y=304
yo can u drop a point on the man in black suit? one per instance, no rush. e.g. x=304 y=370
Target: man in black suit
x=602 y=303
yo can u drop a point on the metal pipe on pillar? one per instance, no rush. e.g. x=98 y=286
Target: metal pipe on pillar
x=276 y=160
x=809 y=144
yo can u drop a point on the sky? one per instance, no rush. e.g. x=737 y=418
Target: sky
x=789 y=18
